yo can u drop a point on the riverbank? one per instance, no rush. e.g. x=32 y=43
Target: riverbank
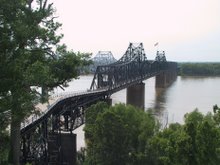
x=199 y=69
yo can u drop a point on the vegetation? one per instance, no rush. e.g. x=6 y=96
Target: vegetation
x=200 y=69
x=30 y=57
x=126 y=135
x=117 y=135
x=4 y=139
x=195 y=143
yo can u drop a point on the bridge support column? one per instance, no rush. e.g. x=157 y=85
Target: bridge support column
x=62 y=148
x=136 y=95
x=161 y=80
x=68 y=148
x=165 y=79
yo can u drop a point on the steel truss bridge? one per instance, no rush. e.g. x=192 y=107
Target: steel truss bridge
x=40 y=139
x=101 y=58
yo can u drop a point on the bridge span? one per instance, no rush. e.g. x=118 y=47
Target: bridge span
x=49 y=139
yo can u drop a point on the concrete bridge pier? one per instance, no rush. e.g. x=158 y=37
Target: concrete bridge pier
x=165 y=79
x=136 y=95
x=161 y=80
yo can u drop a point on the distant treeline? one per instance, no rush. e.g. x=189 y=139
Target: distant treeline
x=199 y=69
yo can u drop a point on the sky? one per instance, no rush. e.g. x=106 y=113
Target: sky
x=187 y=30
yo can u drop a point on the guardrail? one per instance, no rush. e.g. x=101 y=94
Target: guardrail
x=59 y=96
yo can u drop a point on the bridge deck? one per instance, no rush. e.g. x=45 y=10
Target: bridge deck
x=54 y=100
x=67 y=111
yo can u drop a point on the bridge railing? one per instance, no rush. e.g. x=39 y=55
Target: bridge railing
x=56 y=98
x=121 y=75
x=68 y=111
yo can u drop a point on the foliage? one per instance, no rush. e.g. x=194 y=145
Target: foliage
x=195 y=143
x=216 y=111
x=81 y=156
x=200 y=69
x=4 y=137
x=31 y=58
x=125 y=135
x=4 y=140
x=91 y=115
x=119 y=135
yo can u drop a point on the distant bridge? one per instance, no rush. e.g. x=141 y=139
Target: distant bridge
x=48 y=139
x=101 y=58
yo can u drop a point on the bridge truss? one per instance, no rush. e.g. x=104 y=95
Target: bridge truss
x=41 y=142
x=132 y=68
x=102 y=58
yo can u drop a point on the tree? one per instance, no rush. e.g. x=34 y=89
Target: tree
x=4 y=138
x=207 y=140
x=110 y=143
x=216 y=111
x=90 y=117
x=81 y=156
x=200 y=69
x=196 y=142
x=31 y=57
x=125 y=135
x=204 y=138
x=120 y=135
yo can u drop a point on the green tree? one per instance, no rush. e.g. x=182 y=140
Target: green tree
x=216 y=111
x=90 y=117
x=207 y=140
x=196 y=142
x=4 y=138
x=120 y=136
x=192 y=121
x=31 y=57
x=110 y=139
x=204 y=138
x=169 y=146
x=81 y=156
x=200 y=69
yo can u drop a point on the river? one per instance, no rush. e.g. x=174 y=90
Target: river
x=182 y=96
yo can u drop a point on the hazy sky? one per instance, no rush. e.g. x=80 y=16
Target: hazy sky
x=187 y=30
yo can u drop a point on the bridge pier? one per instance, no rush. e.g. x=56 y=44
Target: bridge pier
x=165 y=79
x=136 y=95
x=62 y=148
